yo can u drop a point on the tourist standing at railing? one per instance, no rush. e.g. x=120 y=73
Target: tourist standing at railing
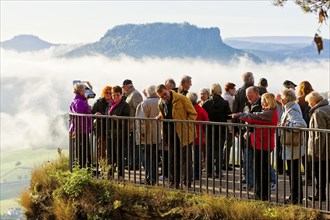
x=204 y=94
x=218 y=110
x=253 y=105
x=148 y=133
x=177 y=134
x=200 y=134
x=80 y=126
x=118 y=130
x=304 y=88
x=133 y=98
x=238 y=106
x=318 y=142
x=292 y=153
x=262 y=86
x=170 y=84
x=99 y=108
x=185 y=85
x=262 y=140
x=229 y=96
x=240 y=95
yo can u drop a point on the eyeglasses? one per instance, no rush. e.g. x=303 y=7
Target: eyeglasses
x=108 y=93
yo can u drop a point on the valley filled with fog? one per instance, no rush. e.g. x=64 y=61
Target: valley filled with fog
x=36 y=87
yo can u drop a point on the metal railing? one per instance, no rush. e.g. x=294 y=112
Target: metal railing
x=154 y=154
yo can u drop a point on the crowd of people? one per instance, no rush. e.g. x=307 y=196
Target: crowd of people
x=192 y=148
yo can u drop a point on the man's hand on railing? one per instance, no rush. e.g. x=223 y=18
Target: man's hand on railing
x=234 y=115
x=159 y=117
x=98 y=113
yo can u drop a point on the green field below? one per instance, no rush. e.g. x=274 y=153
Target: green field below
x=16 y=167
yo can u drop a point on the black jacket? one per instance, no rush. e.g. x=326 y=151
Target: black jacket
x=218 y=110
x=100 y=105
x=240 y=98
x=122 y=109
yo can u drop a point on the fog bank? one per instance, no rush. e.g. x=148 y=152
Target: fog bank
x=36 y=88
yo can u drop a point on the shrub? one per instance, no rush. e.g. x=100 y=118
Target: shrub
x=56 y=193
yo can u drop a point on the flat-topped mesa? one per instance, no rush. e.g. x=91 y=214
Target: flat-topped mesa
x=162 y=40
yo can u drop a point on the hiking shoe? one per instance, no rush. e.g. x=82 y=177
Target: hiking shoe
x=273 y=186
x=246 y=187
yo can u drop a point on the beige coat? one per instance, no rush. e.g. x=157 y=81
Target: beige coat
x=319 y=118
x=182 y=109
x=148 y=131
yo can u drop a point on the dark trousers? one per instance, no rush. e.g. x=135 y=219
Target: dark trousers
x=187 y=164
x=174 y=160
x=308 y=169
x=218 y=147
x=197 y=162
x=165 y=158
x=227 y=148
x=320 y=181
x=82 y=150
x=115 y=154
x=133 y=152
x=294 y=179
x=150 y=162
x=261 y=174
x=279 y=160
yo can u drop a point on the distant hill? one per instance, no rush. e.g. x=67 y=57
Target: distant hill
x=274 y=39
x=25 y=43
x=280 y=48
x=162 y=40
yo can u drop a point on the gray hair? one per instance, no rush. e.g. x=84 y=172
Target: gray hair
x=313 y=96
x=289 y=95
x=193 y=97
x=247 y=76
x=151 y=91
x=205 y=90
x=216 y=89
x=78 y=88
x=170 y=81
x=185 y=78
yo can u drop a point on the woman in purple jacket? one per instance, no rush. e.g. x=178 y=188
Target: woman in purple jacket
x=80 y=126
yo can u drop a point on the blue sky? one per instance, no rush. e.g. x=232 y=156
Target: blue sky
x=87 y=21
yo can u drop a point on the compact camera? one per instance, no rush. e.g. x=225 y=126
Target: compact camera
x=88 y=88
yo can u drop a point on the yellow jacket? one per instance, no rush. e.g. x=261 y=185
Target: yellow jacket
x=182 y=109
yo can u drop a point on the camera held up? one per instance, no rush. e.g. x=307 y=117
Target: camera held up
x=88 y=88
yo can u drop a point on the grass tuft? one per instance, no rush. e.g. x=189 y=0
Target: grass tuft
x=55 y=193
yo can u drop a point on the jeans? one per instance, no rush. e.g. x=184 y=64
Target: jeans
x=248 y=162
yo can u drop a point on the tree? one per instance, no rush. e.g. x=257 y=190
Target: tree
x=320 y=7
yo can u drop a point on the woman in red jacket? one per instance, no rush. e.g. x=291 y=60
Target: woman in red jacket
x=200 y=134
x=263 y=141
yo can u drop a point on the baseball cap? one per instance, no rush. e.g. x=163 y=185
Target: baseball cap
x=288 y=83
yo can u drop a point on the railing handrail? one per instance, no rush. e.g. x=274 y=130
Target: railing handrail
x=203 y=122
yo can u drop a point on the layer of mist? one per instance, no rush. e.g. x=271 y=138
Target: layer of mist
x=36 y=87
